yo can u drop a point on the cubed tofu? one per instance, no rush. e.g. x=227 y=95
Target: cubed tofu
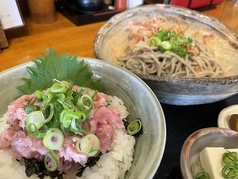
x=211 y=160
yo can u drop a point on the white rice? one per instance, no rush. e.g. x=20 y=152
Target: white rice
x=115 y=163
x=117 y=102
x=111 y=165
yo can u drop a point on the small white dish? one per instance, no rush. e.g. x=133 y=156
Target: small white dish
x=224 y=116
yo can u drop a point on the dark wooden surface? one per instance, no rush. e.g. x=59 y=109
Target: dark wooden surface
x=181 y=121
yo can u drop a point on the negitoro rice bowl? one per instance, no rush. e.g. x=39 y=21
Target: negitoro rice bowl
x=114 y=163
x=140 y=155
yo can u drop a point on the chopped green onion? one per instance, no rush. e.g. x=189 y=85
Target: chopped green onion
x=61 y=86
x=85 y=102
x=229 y=157
x=230 y=169
x=160 y=34
x=63 y=108
x=166 y=45
x=51 y=161
x=94 y=94
x=38 y=95
x=198 y=172
x=33 y=132
x=50 y=111
x=77 y=128
x=171 y=41
x=73 y=120
x=37 y=118
x=167 y=36
x=88 y=145
x=48 y=96
x=134 y=127
x=188 y=41
x=65 y=119
x=181 y=51
x=66 y=131
x=155 y=41
x=53 y=139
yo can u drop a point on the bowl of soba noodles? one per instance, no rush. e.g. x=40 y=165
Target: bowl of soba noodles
x=185 y=56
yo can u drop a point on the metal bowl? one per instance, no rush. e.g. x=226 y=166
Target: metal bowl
x=172 y=90
x=132 y=90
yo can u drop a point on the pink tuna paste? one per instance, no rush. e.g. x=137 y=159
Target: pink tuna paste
x=103 y=120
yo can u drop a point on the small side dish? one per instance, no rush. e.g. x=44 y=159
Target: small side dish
x=228 y=118
x=210 y=153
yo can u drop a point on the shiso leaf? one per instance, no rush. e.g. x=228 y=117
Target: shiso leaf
x=60 y=67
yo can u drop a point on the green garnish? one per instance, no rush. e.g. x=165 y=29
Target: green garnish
x=34 y=121
x=88 y=145
x=63 y=110
x=134 y=127
x=51 y=161
x=30 y=106
x=53 y=139
x=230 y=169
x=61 y=107
x=170 y=41
x=198 y=172
x=60 y=67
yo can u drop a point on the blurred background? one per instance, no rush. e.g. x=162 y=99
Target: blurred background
x=107 y=8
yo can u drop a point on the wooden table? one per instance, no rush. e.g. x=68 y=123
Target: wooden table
x=27 y=42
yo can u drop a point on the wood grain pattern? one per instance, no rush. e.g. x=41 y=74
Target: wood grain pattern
x=27 y=42
x=43 y=11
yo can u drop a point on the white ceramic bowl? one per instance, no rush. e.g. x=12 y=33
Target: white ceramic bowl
x=224 y=116
x=132 y=90
x=172 y=90
x=197 y=141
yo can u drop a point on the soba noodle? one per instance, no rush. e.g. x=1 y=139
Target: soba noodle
x=150 y=61
x=140 y=56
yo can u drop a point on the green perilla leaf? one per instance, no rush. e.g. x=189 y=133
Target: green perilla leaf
x=60 y=67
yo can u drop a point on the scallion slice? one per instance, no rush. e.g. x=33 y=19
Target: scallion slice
x=51 y=161
x=88 y=145
x=61 y=86
x=230 y=169
x=155 y=41
x=37 y=118
x=53 y=139
x=134 y=127
x=229 y=157
x=198 y=172
x=50 y=111
x=166 y=45
x=33 y=132
x=85 y=102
